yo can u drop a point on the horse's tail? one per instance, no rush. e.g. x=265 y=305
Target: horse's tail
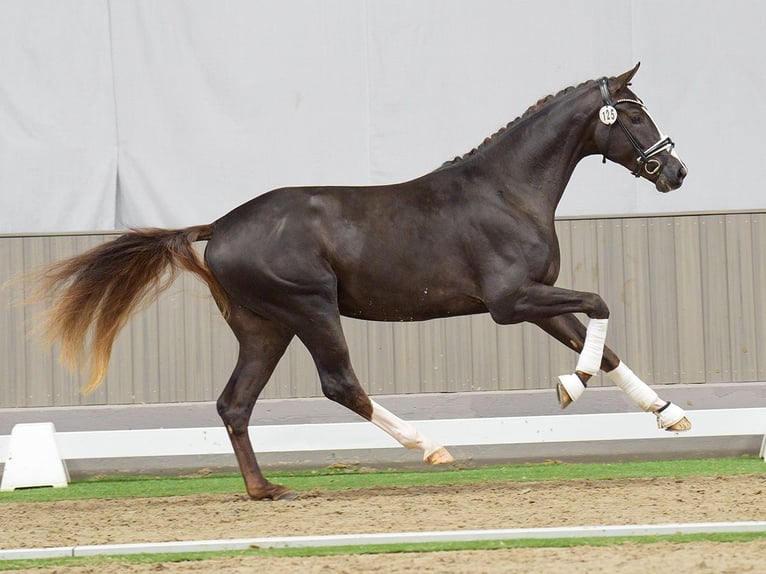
x=93 y=294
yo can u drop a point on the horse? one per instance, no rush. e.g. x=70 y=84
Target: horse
x=476 y=235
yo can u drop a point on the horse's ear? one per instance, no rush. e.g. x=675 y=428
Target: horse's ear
x=618 y=84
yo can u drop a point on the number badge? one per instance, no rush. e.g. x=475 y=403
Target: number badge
x=607 y=115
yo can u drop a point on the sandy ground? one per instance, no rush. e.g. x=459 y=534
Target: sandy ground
x=475 y=506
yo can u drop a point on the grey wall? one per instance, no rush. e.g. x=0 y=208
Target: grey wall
x=685 y=291
x=147 y=113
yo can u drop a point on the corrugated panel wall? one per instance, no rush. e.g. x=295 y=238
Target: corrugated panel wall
x=687 y=295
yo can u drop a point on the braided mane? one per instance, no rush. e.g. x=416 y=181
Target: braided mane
x=534 y=108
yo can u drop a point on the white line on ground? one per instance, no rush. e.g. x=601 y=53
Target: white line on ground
x=383 y=538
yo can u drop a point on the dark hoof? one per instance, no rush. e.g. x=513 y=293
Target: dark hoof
x=563 y=396
x=273 y=492
x=286 y=495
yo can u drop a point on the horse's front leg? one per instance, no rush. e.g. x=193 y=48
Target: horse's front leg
x=541 y=303
x=568 y=330
x=591 y=351
x=552 y=309
x=572 y=333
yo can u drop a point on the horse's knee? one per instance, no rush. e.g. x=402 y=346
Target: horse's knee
x=598 y=307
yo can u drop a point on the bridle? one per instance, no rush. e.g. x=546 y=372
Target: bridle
x=608 y=115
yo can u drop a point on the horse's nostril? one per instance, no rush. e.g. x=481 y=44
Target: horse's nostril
x=682 y=171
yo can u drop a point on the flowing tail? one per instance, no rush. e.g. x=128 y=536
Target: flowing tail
x=94 y=294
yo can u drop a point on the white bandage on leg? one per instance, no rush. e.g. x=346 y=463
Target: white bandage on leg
x=636 y=389
x=589 y=363
x=406 y=434
x=573 y=386
x=593 y=348
x=669 y=415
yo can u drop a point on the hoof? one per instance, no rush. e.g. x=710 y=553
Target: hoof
x=569 y=389
x=273 y=492
x=672 y=418
x=286 y=495
x=680 y=426
x=563 y=396
x=439 y=456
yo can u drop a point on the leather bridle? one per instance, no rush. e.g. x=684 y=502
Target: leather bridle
x=608 y=115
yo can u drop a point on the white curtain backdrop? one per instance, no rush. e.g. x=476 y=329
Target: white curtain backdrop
x=145 y=113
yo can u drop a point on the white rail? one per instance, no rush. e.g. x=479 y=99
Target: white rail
x=362 y=435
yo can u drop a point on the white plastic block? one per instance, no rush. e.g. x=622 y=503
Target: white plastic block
x=33 y=458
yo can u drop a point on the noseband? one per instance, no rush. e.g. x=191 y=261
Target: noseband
x=608 y=115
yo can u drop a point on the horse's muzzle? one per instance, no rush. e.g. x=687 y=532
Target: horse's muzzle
x=671 y=175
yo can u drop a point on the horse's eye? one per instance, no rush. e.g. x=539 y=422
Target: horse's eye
x=636 y=120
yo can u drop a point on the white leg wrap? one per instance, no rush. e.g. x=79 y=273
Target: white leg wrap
x=636 y=389
x=402 y=431
x=669 y=415
x=593 y=348
x=573 y=386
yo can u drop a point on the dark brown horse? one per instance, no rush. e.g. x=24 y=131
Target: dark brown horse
x=474 y=236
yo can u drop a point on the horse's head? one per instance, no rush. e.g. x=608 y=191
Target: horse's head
x=628 y=135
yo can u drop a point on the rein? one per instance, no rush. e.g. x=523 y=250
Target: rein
x=608 y=115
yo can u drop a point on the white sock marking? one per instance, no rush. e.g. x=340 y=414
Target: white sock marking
x=406 y=434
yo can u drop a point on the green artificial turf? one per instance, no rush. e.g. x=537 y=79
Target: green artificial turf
x=352 y=477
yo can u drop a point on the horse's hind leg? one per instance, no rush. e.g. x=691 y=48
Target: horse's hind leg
x=572 y=333
x=261 y=344
x=322 y=334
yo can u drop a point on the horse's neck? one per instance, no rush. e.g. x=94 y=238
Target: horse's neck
x=538 y=157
